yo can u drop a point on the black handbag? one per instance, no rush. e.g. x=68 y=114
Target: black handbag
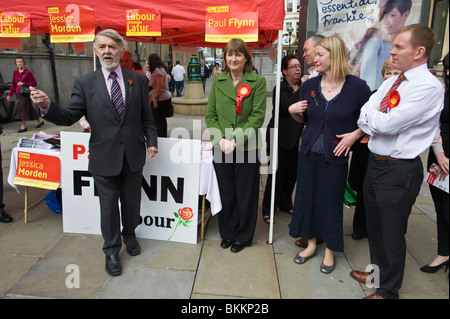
x=24 y=90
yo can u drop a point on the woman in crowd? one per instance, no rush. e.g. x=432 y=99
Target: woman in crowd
x=22 y=77
x=235 y=112
x=329 y=105
x=160 y=98
x=439 y=154
x=289 y=132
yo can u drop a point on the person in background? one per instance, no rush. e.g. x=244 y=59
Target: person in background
x=160 y=97
x=400 y=129
x=309 y=53
x=236 y=139
x=26 y=112
x=115 y=103
x=4 y=217
x=329 y=106
x=178 y=75
x=216 y=70
x=288 y=139
x=204 y=73
x=358 y=167
x=439 y=154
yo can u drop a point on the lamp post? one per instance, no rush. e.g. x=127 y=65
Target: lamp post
x=289 y=29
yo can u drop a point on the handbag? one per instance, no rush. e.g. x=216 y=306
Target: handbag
x=24 y=90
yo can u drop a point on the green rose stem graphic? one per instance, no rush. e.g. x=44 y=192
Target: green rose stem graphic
x=184 y=215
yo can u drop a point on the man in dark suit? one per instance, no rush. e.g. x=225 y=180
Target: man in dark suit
x=115 y=103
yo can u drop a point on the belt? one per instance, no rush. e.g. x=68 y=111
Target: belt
x=382 y=158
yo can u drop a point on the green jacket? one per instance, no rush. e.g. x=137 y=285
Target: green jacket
x=222 y=118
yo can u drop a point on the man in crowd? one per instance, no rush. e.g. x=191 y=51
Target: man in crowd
x=178 y=74
x=114 y=100
x=309 y=53
x=401 y=119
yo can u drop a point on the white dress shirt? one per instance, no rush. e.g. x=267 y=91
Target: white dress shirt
x=409 y=128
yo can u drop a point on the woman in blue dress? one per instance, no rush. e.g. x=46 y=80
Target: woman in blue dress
x=329 y=106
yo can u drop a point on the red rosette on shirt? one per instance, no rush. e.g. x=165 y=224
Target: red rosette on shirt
x=243 y=91
x=393 y=99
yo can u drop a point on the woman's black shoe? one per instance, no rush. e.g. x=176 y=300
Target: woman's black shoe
x=40 y=124
x=22 y=130
x=433 y=269
x=226 y=243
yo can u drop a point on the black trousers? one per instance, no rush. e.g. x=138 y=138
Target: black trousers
x=125 y=187
x=390 y=190
x=238 y=178
x=286 y=176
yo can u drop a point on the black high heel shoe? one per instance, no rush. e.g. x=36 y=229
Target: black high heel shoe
x=433 y=269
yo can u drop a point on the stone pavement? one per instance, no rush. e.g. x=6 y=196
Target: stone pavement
x=38 y=260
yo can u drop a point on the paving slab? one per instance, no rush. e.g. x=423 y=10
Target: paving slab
x=250 y=273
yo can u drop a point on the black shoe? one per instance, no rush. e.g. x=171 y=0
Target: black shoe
x=5 y=218
x=237 y=247
x=113 y=266
x=22 y=130
x=133 y=247
x=433 y=269
x=40 y=124
x=226 y=243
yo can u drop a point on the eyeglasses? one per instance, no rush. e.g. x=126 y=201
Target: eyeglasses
x=298 y=66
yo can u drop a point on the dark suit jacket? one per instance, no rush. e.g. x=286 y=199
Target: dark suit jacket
x=111 y=138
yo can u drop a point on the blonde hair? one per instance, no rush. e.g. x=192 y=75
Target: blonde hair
x=238 y=45
x=387 y=65
x=340 y=67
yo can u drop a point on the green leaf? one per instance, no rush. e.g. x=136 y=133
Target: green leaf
x=176 y=215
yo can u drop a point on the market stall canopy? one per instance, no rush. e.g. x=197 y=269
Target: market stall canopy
x=182 y=22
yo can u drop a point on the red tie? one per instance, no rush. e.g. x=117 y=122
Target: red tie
x=384 y=103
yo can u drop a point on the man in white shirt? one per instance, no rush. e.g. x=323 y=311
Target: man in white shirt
x=309 y=53
x=178 y=74
x=397 y=138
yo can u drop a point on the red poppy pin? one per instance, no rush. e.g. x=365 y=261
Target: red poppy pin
x=243 y=91
x=130 y=83
x=393 y=99
x=313 y=94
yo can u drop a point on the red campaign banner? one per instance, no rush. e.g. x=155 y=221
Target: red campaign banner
x=144 y=22
x=223 y=23
x=71 y=23
x=38 y=170
x=14 y=24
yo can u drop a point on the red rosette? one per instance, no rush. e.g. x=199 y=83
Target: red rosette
x=393 y=99
x=243 y=91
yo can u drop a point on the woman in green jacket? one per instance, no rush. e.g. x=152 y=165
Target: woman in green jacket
x=235 y=113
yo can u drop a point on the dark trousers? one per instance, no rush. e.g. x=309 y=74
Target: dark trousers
x=125 y=187
x=159 y=115
x=239 y=191
x=286 y=176
x=390 y=190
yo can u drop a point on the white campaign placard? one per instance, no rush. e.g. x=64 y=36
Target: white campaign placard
x=170 y=190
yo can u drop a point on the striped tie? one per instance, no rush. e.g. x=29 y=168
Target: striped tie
x=116 y=95
x=384 y=103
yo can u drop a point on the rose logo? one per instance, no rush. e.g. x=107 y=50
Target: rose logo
x=184 y=215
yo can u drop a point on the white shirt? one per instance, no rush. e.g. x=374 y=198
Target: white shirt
x=408 y=129
x=178 y=73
